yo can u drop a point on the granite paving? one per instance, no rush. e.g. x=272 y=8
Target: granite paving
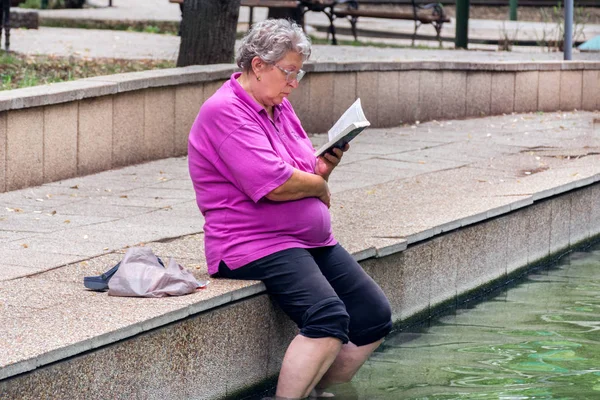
x=137 y=45
x=395 y=187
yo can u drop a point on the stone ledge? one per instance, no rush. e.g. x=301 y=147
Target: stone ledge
x=64 y=92
x=495 y=66
x=392 y=268
x=128 y=331
x=119 y=83
x=379 y=250
x=494 y=204
x=24 y=19
x=166 y=77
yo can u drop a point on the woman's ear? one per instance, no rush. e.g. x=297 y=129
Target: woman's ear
x=258 y=65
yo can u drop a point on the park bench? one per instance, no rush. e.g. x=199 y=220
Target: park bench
x=422 y=14
x=15 y=19
x=269 y=4
x=259 y=3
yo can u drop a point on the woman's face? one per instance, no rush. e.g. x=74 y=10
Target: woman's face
x=275 y=80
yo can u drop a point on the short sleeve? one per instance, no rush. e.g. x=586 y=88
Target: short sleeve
x=252 y=163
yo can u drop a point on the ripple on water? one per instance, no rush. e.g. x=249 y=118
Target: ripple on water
x=538 y=340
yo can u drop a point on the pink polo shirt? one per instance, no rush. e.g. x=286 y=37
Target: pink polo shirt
x=237 y=155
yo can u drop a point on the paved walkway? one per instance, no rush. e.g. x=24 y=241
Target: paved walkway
x=131 y=45
x=72 y=220
x=395 y=186
x=163 y=10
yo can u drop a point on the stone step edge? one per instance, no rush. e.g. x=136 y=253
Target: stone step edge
x=64 y=92
x=257 y=288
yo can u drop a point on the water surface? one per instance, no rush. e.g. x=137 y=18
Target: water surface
x=537 y=339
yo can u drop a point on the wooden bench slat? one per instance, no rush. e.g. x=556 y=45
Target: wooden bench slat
x=270 y=3
x=260 y=3
x=388 y=15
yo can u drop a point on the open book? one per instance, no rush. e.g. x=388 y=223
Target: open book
x=350 y=124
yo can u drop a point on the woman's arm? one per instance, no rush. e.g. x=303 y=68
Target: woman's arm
x=300 y=185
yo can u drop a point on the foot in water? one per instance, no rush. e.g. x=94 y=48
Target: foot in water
x=320 y=394
x=315 y=394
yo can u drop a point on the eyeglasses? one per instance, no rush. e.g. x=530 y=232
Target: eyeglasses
x=291 y=76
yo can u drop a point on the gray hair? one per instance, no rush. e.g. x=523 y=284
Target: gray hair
x=271 y=40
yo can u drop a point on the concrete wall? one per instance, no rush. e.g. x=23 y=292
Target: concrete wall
x=229 y=348
x=58 y=131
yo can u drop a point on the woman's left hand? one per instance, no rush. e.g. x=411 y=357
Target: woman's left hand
x=327 y=162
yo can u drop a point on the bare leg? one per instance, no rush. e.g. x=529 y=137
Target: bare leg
x=345 y=366
x=306 y=361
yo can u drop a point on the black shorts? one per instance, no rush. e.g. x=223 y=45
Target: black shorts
x=324 y=291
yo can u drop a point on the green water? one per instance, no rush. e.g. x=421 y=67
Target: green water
x=536 y=339
x=539 y=339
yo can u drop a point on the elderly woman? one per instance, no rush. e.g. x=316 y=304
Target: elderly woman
x=265 y=199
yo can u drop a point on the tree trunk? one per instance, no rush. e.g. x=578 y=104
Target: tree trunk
x=208 y=30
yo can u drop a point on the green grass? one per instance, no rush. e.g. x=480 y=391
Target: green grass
x=161 y=27
x=8 y=58
x=31 y=4
x=19 y=71
x=51 y=4
x=151 y=29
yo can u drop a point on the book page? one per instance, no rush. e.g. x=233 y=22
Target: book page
x=353 y=114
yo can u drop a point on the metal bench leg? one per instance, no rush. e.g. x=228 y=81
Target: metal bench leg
x=353 y=21
x=6 y=23
x=1 y=20
x=438 y=29
x=331 y=27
